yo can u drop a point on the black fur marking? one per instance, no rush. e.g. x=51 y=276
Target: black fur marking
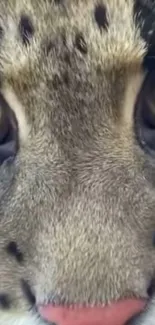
x=56 y=82
x=101 y=16
x=28 y=292
x=80 y=43
x=4 y=301
x=13 y=250
x=26 y=29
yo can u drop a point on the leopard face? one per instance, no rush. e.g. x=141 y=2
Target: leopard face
x=77 y=172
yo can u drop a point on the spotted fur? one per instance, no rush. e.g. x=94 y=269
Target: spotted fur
x=77 y=204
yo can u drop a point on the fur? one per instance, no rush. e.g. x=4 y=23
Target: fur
x=79 y=200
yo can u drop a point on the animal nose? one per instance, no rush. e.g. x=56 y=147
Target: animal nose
x=114 y=314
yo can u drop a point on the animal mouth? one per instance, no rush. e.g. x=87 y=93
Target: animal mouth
x=116 y=313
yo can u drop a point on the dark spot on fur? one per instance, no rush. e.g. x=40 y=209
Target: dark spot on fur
x=80 y=43
x=28 y=292
x=56 y=82
x=4 y=301
x=101 y=16
x=26 y=29
x=13 y=250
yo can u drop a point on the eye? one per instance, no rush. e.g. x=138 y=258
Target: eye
x=145 y=114
x=8 y=132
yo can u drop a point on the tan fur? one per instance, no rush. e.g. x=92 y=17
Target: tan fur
x=79 y=201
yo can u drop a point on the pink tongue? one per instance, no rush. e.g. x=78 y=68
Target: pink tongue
x=114 y=314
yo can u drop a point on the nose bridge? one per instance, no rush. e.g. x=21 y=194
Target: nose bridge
x=71 y=260
x=68 y=251
x=76 y=248
x=61 y=249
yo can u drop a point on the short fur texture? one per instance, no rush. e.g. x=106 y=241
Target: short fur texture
x=78 y=202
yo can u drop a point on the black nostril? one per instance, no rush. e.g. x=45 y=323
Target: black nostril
x=28 y=292
x=4 y=301
x=8 y=131
x=151 y=288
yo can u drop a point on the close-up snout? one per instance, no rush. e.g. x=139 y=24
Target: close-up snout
x=77 y=162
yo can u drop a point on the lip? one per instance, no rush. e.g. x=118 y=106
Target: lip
x=116 y=313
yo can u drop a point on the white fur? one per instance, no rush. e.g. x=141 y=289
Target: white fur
x=18 y=319
x=146 y=317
